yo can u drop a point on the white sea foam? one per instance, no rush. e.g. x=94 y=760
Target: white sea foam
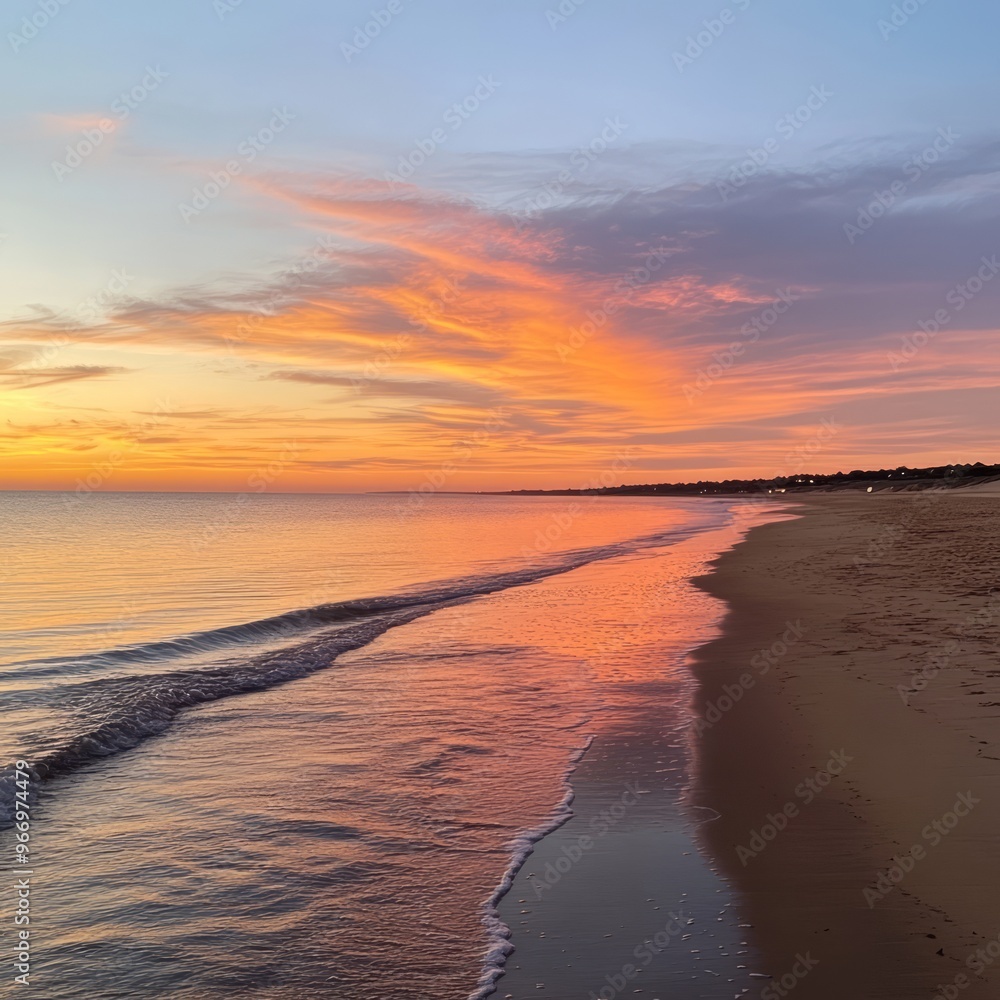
x=521 y=847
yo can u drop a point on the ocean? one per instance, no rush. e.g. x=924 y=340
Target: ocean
x=294 y=746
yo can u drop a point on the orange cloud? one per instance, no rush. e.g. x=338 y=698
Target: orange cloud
x=419 y=323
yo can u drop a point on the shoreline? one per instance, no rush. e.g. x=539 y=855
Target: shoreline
x=620 y=898
x=832 y=618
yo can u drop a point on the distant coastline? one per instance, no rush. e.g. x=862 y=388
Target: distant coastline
x=895 y=480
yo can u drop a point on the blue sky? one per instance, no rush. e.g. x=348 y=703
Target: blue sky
x=229 y=64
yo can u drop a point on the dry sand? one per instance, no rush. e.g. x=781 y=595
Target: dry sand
x=883 y=639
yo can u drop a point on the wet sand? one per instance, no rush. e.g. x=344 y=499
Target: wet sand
x=849 y=740
x=620 y=901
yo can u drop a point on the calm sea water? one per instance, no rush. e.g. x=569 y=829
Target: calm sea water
x=300 y=746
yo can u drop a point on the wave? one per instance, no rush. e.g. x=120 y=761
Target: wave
x=498 y=934
x=118 y=714
x=301 y=621
x=274 y=628
x=114 y=714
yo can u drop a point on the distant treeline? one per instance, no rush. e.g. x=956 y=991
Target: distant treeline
x=905 y=477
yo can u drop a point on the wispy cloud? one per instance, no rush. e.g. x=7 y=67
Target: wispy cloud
x=34 y=378
x=585 y=321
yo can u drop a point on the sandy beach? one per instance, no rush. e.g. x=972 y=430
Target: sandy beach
x=848 y=741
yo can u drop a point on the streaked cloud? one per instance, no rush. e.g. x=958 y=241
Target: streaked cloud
x=586 y=325
x=34 y=378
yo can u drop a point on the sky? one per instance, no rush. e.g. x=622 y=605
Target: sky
x=440 y=245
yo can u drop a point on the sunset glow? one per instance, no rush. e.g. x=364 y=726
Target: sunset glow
x=495 y=319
